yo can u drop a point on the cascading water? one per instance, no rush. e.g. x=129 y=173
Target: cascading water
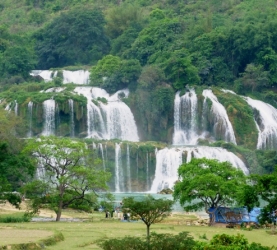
x=72 y=124
x=222 y=127
x=77 y=77
x=30 y=114
x=46 y=75
x=102 y=155
x=266 y=122
x=129 y=184
x=169 y=160
x=49 y=117
x=111 y=120
x=119 y=181
x=147 y=171
x=16 y=108
x=185 y=119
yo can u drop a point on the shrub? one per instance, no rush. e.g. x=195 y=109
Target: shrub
x=182 y=241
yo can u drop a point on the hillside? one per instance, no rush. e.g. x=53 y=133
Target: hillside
x=134 y=78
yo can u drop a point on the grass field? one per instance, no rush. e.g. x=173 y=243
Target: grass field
x=85 y=234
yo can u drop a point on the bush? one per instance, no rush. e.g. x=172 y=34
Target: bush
x=13 y=219
x=229 y=242
x=182 y=241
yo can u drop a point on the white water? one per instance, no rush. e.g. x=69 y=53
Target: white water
x=119 y=181
x=49 y=117
x=168 y=161
x=111 y=120
x=72 y=124
x=147 y=171
x=129 y=184
x=102 y=155
x=266 y=122
x=77 y=77
x=221 y=123
x=47 y=75
x=16 y=108
x=30 y=114
x=185 y=115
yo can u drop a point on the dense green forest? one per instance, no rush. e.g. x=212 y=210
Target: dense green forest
x=144 y=43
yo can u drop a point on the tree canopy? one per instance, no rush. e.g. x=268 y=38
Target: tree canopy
x=149 y=209
x=67 y=174
x=75 y=37
x=206 y=183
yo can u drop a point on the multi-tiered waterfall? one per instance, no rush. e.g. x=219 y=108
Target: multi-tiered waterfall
x=137 y=167
x=187 y=132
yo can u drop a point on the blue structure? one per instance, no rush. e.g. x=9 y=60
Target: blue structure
x=235 y=215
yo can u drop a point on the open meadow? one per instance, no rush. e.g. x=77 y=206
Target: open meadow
x=83 y=230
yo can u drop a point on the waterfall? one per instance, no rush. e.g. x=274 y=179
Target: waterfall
x=222 y=127
x=129 y=184
x=266 y=122
x=16 y=108
x=46 y=75
x=72 y=124
x=30 y=114
x=77 y=77
x=102 y=155
x=185 y=119
x=111 y=120
x=169 y=160
x=147 y=172
x=119 y=182
x=49 y=117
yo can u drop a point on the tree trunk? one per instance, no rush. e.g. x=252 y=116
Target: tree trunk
x=59 y=212
x=148 y=237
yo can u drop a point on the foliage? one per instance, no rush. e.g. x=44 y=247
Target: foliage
x=112 y=73
x=79 y=38
x=181 y=241
x=121 y=17
x=179 y=69
x=149 y=210
x=266 y=186
x=230 y=242
x=14 y=219
x=68 y=174
x=206 y=183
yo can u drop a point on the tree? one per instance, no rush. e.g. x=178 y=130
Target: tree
x=208 y=183
x=179 y=69
x=68 y=174
x=149 y=210
x=16 y=168
x=265 y=187
x=74 y=37
x=112 y=73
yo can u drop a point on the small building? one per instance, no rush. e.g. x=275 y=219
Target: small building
x=234 y=215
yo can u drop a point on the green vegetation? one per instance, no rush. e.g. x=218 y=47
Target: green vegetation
x=71 y=178
x=206 y=184
x=149 y=210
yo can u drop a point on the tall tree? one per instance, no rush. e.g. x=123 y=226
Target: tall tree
x=67 y=171
x=206 y=183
